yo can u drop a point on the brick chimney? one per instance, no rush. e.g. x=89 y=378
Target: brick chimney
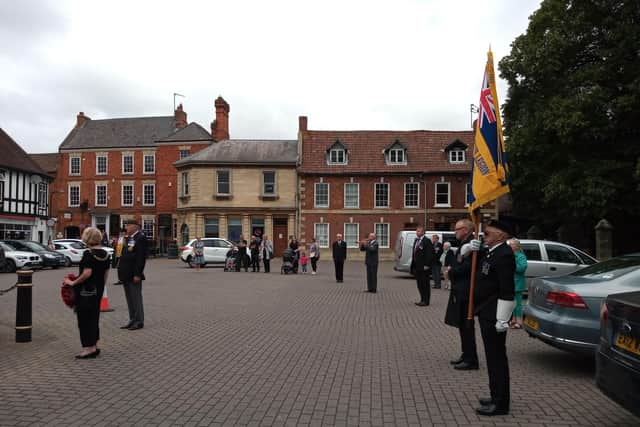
x=220 y=126
x=180 y=117
x=81 y=119
x=302 y=124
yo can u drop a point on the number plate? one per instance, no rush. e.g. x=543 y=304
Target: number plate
x=531 y=322
x=628 y=343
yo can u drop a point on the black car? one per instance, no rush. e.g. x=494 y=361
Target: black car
x=618 y=356
x=50 y=258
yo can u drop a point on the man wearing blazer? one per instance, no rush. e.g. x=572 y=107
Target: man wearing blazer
x=421 y=262
x=370 y=247
x=131 y=273
x=339 y=250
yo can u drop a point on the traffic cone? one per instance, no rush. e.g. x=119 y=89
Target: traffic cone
x=104 y=302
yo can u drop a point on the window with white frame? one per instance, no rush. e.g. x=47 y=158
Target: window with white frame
x=382 y=234
x=148 y=194
x=101 y=164
x=185 y=183
x=382 y=195
x=269 y=183
x=321 y=195
x=223 y=182
x=351 y=233
x=351 y=195
x=74 y=165
x=74 y=196
x=457 y=156
x=101 y=195
x=148 y=227
x=411 y=194
x=149 y=163
x=396 y=156
x=443 y=194
x=337 y=156
x=127 y=164
x=184 y=153
x=321 y=233
x=127 y=194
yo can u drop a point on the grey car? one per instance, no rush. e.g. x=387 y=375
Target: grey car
x=564 y=311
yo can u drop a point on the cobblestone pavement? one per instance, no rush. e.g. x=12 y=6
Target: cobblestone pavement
x=255 y=349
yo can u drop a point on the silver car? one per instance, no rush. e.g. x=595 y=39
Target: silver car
x=564 y=311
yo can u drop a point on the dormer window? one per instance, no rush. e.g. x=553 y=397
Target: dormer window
x=396 y=154
x=457 y=152
x=337 y=154
x=457 y=156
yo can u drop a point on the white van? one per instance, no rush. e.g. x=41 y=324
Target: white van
x=404 y=246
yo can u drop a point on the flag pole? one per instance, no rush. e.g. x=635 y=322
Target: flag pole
x=474 y=262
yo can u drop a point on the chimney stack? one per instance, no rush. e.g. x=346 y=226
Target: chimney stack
x=81 y=119
x=220 y=126
x=302 y=123
x=180 y=117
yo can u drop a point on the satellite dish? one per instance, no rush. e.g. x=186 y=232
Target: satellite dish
x=36 y=179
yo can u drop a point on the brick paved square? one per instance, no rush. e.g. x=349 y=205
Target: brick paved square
x=268 y=349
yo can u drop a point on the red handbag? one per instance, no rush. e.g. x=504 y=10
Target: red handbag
x=67 y=293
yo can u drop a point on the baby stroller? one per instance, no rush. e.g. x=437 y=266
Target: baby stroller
x=288 y=258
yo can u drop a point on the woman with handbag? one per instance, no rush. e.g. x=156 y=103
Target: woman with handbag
x=89 y=287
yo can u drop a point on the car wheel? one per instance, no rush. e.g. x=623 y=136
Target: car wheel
x=190 y=261
x=9 y=266
x=67 y=261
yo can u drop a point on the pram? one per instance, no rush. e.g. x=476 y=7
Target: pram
x=288 y=259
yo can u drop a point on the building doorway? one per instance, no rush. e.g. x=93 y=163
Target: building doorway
x=280 y=236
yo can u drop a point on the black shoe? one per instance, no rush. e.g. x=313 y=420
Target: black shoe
x=91 y=355
x=466 y=366
x=421 y=304
x=135 y=327
x=373 y=291
x=127 y=326
x=491 y=410
x=485 y=401
x=117 y=283
x=456 y=361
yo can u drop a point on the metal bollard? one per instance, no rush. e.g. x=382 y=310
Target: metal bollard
x=23 y=306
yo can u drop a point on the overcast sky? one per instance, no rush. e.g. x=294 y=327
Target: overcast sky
x=347 y=64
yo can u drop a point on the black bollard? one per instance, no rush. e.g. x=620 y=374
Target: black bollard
x=23 y=306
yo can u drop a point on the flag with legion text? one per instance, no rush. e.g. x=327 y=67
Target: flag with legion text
x=489 y=178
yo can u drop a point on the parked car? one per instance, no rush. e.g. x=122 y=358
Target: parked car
x=84 y=245
x=564 y=311
x=49 y=258
x=618 y=356
x=72 y=251
x=15 y=259
x=215 y=251
x=404 y=246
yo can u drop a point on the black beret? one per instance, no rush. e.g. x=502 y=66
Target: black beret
x=501 y=225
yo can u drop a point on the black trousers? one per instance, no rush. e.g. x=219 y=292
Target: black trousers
x=372 y=277
x=497 y=364
x=88 y=321
x=339 y=266
x=422 y=280
x=314 y=264
x=467 y=336
x=255 y=262
x=267 y=265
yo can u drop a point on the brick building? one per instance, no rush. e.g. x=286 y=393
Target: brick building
x=357 y=182
x=117 y=169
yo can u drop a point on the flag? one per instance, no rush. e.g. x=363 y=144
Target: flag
x=489 y=171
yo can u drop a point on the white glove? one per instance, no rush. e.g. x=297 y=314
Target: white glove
x=467 y=248
x=503 y=314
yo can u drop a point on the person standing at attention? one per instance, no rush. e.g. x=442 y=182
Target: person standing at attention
x=131 y=273
x=436 y=266
x=421 y=262
x=370 y=248
x=254 y=249
x=339 y=250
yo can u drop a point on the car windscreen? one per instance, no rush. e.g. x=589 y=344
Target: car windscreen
x=36 y=247
x=610 y=269
x=7 y=247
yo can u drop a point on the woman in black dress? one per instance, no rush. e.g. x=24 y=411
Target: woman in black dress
x=88 y=288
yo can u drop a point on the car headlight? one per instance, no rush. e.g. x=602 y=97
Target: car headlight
x=22 y=257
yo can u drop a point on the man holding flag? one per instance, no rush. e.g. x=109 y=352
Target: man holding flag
x=493 y=290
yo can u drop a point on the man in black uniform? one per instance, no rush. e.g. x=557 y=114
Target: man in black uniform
x=131 y=273
x=339 y=250
x=421 y=261
x=436 y=264
x=494 y=302
x=370 y=248
x=458 y=306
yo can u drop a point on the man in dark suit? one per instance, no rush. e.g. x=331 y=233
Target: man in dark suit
x=339 y=250
x=421 y=262
x=436 y=265
x=494 y=298
x=370 y=248
x=131 y=273
x=459 y=272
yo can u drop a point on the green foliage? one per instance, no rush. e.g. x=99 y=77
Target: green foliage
x=572 y=113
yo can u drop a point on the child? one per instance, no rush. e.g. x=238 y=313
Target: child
x=303 y=262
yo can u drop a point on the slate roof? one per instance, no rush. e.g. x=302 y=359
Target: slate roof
x=193 y=132
x=14 y=157
x=245 y=151
x=136 y=132
x=425 y=151
x=47 y=161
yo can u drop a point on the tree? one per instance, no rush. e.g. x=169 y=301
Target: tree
x=572 y=113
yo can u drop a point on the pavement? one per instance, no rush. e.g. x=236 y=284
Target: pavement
x=255 y=349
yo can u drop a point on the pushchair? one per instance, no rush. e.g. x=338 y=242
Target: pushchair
x=288 y=259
